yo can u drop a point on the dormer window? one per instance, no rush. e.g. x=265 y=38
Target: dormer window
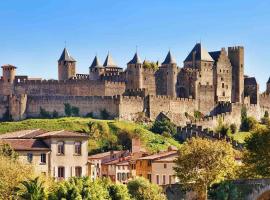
x=78 y=148
x=60 y=148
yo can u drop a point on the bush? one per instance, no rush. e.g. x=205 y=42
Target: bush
x=75 y=111
x=55 y=114
x=89 y=115
x=233 y=128
x=44 y=114
x=104 y=114
x=164 y=126
x=248 y=124
x=71 y=110
x=7 y=117
x=265 y=120
x=224 y=191
x=198 y=114
x=67 y=109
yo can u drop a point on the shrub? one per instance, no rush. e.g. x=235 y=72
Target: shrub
x=89 y=115
x=75 y=111
x=248 y=124
x=198 y=114
x=44 y=114
x=104 y=114
x=265 y=120
x=7 y=116
x=164 y=125
x=55 y=114
x=68 y=111
x=233 y=128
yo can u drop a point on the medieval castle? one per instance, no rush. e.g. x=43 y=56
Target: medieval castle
x=212 y=83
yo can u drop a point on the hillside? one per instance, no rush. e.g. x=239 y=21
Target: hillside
x=104 y=134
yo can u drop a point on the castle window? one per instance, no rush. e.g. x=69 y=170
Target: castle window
x=223 y=94
x=222 y=85
x=221 y=79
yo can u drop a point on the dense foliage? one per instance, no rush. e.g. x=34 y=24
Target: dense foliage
x=164 y=127
x=202 y=162
x=141 y=189
x=257 y=157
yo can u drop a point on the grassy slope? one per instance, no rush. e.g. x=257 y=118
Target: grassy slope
x=105 y=134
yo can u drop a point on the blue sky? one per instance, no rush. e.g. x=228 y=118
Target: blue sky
x=33 y=32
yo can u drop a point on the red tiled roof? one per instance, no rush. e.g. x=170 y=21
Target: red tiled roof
x=102 y=155
x=158 y=155
x=119 y=161
x=26 y=144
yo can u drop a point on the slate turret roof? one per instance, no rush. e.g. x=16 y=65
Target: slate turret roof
x=135 y=60
x=95 y=63
x=268 y=80
x=169 y=59
x=65 y=56
x=250 y=81
x=200 y=54
x=109 y=62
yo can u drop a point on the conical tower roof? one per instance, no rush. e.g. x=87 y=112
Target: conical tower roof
x=135 y=60
x=109 y=62
x=200 y=54
x=95 y=63
x=268 y=80
x=65 y=56
x=169 y=59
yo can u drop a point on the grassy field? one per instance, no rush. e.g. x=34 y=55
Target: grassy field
x=104 y=134
x=241 y=136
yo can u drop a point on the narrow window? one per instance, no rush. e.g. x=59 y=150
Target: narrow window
x=149 y=163
x=29 y=157
x=78 y=148
x=149 y=177
x=157 y=179
x=165 y=166
x=222 y=85
x=61 y=172
x=78 y=171
x=164 y=179
x=60 y=147
x=43 y=158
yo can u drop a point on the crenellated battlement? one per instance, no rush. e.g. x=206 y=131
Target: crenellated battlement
x=171 y=98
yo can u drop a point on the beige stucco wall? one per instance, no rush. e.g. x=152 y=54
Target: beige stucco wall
x=158 y=169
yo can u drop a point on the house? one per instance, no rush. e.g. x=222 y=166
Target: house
x=158 y=168
x=96 y=161
x=59 y=154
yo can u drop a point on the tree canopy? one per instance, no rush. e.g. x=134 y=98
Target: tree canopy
x=202 y=162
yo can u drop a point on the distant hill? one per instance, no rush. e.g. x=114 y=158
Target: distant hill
x=104 y=134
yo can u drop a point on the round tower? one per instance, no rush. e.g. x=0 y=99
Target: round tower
x=66 y=66
x=96 y=70
x=134 y=73
x=9 y=73
x=171 y=74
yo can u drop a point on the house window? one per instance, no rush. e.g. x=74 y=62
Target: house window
x=149 y=163
x=170 y=179
x=165 y=166
x=61 y=172
x=149 y=177
x=157 y=179
x=43 y=158
x=60 y=147
x=223 y=94
x=164 y=180
x=29 y=157
x=78 y=171
x=78 y=148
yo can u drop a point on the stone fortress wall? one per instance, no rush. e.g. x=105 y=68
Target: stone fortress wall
x=209 y=82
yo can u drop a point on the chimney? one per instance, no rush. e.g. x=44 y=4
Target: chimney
x=136 y=145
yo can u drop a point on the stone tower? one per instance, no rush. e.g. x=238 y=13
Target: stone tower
x=268 y=86
x=171 y=74
x=134 y=73
x=95 y=70
x=236 y=56
x=9 y=73
x=66 y=66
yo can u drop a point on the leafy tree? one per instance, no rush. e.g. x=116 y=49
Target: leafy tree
x=32 y=189
x=12 y=172
x=7 y=151
x=226 y=190
x=44 y=114
x=68 y=110
x=150 y=65
x=202 y=162
x=55 y=114
x=118 y=192
x=265 y=120
x=247 y=123
x=104 y=114
x=257 y=158
x=164 y=126
x=141 y=189
x=75 y=111
x=223 y=130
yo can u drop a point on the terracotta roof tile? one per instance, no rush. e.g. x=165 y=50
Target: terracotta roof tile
x=26 y=144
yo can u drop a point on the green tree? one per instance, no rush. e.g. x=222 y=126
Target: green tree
x=75 y=111
x=68 y=110
x=226 y=190
x=141 y=189
x=118 y=192
x=265 y=120
x=44 y=114
x=233 y=128
x=32 y=189
x=55 y=114
x=164 y=126
x=257 y=158
x=202 y=162
x=104 y=114
x=7 y=151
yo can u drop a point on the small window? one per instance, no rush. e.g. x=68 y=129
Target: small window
x=60 y=147
x=61 y=172
x=78 y=148
x=149 y=177
x=29 y=157
x=165 y=166
x=78 y=171
x=149 y=163
x=164 y=180
x=157 y=179
x=43 y=158
x=223 y=94
x=222 y=85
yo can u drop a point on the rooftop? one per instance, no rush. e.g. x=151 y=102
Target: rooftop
x=26 y=144
x=199 y=54
x=66 y=57
x=159 y=155
x=135 y=60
